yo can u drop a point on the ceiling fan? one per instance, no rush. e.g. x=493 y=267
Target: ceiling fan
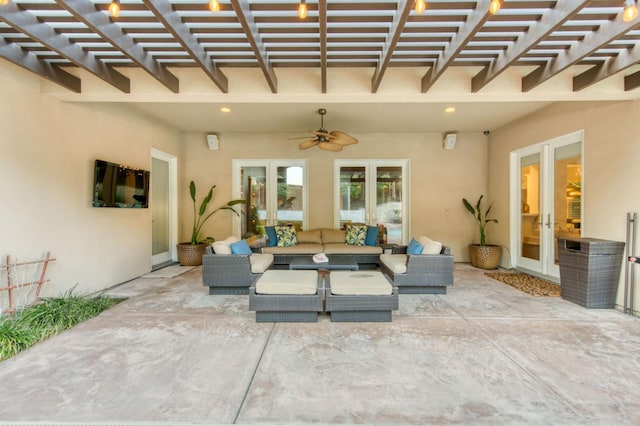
x=328 y=141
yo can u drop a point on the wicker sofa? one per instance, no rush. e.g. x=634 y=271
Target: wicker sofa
x=328 y=241
x=233 y=273
x=418 y=273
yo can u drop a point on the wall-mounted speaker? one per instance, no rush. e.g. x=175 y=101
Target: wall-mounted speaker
x=449 y=141
x=212 y=141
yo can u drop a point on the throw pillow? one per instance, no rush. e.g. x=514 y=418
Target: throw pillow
x=240 y=247
x=286 y=236
x=372 y=236
x=414 y=247
x=224 y=246
x=356 y=235
x=272 y=238
x=429 y=246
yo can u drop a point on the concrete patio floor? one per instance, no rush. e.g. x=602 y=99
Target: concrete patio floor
x=483 y=354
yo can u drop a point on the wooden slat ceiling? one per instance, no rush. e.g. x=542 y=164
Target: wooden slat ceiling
x=48 y=36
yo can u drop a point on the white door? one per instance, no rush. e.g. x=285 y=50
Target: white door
x=163 y=208
x=373 y=192
x=546 y=202
x=275 y=192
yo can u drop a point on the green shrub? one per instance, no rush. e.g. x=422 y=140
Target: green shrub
x=47 y=318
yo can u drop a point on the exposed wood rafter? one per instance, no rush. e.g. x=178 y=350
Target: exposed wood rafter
x=322 y=21
x=607 y=32
x=399 y=21
x=86 y=12
x=27 y=23
x=245 y=16
x=171 y=20
x=632 y=81
x=474 y=23
x=610 y=67
x=551 y=20
x=29 y=61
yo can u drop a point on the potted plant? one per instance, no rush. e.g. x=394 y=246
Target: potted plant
x=190 y=253
x=483 y=255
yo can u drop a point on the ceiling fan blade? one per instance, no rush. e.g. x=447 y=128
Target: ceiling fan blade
x=341 y=138
x=329 y=146
x=308 y=144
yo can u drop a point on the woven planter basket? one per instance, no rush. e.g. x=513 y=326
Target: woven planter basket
x=191 y=255
x=485 y=257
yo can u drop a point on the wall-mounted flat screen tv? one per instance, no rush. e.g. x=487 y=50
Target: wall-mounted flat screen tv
x=115 y=185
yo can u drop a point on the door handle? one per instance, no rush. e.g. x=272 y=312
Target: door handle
x=548 y=221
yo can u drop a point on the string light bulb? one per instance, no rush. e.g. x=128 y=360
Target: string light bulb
x=421 y=5
x=114 y=8
x=630 y=11
x=302 y=9
x=214 y=6
x=495 y=6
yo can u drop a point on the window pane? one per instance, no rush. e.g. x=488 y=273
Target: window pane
x=290 y=196
x=389 y=202
x=254 y=190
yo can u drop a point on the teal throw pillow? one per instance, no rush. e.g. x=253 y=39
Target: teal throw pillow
x=356 y=235
x=372 y=236
x=272 y=238
x=414 y=247
x=286 y=236
x=240 y=247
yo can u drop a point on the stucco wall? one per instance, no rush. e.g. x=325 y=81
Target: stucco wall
x=438 y=178
x=611 y=158
x=47 y=153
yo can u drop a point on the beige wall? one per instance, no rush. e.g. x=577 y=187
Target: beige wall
x=47 y=153
x=439 y=178
x=611 y=158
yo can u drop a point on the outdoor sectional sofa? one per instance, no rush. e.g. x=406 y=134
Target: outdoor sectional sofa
x=328 y=241
x=233 y=273
x=418 y=273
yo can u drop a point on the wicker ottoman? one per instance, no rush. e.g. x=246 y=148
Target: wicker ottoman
x=287 y=296
x=360 y=296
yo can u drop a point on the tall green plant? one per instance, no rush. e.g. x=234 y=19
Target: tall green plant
x=481 y=220
x=200 y=215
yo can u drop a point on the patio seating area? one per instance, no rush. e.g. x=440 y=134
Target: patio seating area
x=483 y=354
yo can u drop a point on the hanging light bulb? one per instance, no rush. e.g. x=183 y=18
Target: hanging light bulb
x=214 y=6
x=3 y=2
x=302 y=9
x=495 y=6
x=114 y=8
x=421 y=5
x=630 y=11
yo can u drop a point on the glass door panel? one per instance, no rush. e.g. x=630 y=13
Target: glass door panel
x=290 y=196
x=389 y=202
x=160 y=225
x=352 y=195
x=254 y=192
x=530 y=210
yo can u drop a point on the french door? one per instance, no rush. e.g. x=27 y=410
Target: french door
x=275 y=192
x=546 y=202
x=373 y=192
x=164 y=210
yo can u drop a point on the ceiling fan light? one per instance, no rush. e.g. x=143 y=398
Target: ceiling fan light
x=495 y=6
x=114 y=8
x=630 y=11
x=302 y=9
x=421 y=5
x=214 y=6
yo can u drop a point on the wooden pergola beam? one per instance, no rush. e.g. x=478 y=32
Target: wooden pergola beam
x=322 y=21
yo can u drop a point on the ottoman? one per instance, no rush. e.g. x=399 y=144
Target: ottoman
x=360 y=296
x=287 y=296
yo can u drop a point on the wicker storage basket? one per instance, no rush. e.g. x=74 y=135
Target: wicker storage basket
x=590 y=271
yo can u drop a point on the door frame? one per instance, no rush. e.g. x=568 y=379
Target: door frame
x=172 y=162
x=546 y=267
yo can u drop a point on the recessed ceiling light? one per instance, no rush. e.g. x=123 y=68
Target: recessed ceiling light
x=225 y=109
x=450 y=109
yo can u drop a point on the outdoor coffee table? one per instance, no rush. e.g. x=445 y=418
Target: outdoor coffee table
x=335 y=263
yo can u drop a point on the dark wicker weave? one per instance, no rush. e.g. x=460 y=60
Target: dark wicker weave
x=359 y=308
x=287 y=307
x=227 y=273
x=364 y=261
x=426 y=273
